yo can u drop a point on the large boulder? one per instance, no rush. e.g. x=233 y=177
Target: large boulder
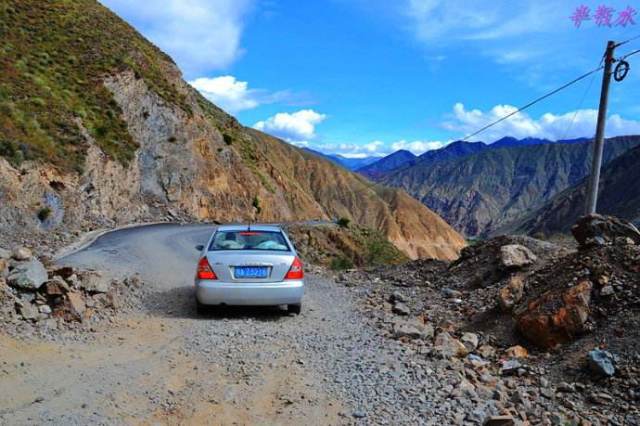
x=557 y=316
x=601 y=362
x=28 y=275
x=56 y=287
x=513 y=256
x=595 y=229
x=28 y=311
x=412 y=330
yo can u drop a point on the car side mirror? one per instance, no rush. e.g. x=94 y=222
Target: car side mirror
x=199 y=247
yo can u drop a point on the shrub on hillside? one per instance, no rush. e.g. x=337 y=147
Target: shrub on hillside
x=343 y=222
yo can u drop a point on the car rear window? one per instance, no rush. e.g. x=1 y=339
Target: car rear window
x=249 y=240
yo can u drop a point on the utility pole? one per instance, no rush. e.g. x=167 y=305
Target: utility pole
x=598 y=144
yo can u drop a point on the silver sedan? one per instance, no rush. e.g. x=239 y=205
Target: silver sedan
x=249 y=265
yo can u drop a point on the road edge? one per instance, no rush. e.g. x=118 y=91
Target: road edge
x=88 y=238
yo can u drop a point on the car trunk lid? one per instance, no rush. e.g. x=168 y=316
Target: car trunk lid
x=224 y=264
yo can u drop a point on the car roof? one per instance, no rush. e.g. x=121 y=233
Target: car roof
x=253 y=226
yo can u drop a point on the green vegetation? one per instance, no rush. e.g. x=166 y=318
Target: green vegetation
x=44 y=213
x=13 y=153
x=378 y=250
x=340 y=263
x=343 y=222
x=344 y=248
x=256 y=204
x=472 y=241
x=54 y=57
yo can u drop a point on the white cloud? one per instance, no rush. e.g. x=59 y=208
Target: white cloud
x=516 y=34
x=376 y=148
x=417 y=147
x=234 y=95
x=200 y=35
x=297 y=127
x=352 y=150
x=573 y=124
x=463 y=20
x=226 y=92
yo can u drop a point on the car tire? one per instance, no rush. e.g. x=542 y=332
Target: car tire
x=201 y=309
x=294 y=309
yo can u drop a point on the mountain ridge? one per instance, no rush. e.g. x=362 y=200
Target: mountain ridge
x=479 y=193
x=616 y=197
x=117 y=136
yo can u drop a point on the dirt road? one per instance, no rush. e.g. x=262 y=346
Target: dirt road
x=164 y=364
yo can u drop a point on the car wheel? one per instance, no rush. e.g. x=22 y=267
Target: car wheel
x=201 y=309
x=294 y=309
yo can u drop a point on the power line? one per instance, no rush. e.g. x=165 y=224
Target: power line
x=627 y=41
x=575 y=113
x=629 y=54
x=535 y=101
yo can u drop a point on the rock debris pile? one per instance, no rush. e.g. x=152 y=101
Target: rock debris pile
x=551 y=334
x=50 y=298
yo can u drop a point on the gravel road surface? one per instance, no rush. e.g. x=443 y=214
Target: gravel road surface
x=164 y=364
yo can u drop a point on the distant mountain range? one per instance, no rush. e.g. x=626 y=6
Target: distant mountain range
x=348 y=163
x=479 y=188
x=392 y=162
x=619 y=196
x=376 y=170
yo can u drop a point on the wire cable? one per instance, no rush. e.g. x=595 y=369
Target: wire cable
x=575 y=113
x=535 y=101
x=584 y=96
x=628 y=54
x=627 y=41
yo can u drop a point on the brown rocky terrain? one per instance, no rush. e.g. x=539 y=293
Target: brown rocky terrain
x=550 y=333
x=516 y=331
x=130 y=141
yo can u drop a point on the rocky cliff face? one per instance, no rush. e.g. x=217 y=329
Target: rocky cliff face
x=164 y=149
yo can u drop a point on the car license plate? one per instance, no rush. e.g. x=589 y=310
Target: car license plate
x=251 y=271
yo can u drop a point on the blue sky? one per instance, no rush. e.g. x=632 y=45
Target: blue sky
x=368 y=77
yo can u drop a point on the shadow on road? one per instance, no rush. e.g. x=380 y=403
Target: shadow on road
x=180 y=303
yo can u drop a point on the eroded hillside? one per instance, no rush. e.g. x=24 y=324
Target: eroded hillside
x=99 y=129
x=478 y=194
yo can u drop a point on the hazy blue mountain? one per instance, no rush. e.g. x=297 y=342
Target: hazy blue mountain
x=347 y=163
x=391 y=162
x=509 y=141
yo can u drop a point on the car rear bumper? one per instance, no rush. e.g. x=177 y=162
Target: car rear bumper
x=251 y=294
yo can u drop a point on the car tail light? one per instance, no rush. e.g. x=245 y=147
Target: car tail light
x=295 y=272
x=204 y=270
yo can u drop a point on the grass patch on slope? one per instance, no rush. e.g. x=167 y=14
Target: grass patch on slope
x=54 y=56
x=344 y=248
